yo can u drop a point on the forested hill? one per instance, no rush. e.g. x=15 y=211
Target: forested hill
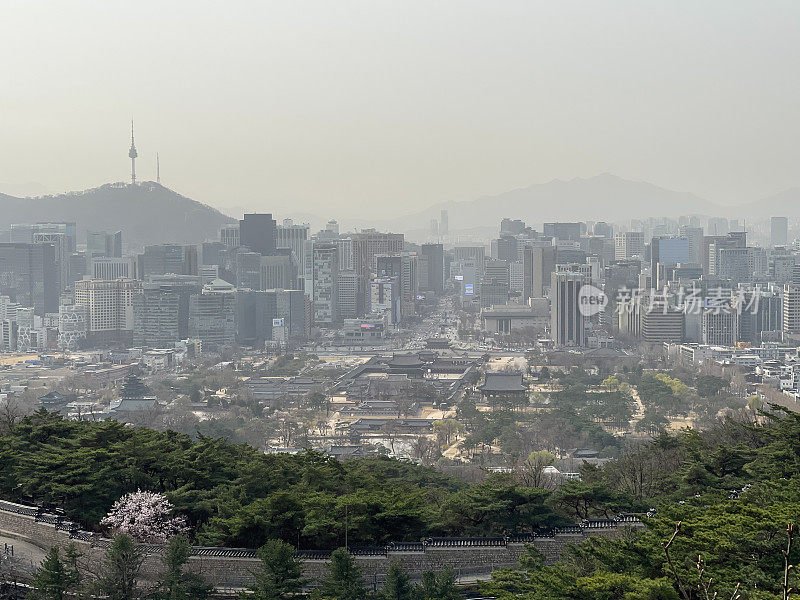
x=147 y=213
x=724 y=497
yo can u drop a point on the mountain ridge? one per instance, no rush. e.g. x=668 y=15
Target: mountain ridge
x=147 y=213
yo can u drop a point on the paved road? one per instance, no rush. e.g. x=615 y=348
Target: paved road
x=25 y=551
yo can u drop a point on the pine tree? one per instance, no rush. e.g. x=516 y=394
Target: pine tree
x=397 y=586
x=280 y=573
x=175 y=583
x=56 y=577
x=122 y=565
x=345 y=580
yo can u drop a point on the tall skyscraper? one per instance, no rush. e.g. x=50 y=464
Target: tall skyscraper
x=259 y=233
x=666 y=252
x=779 y=231
x=791 y=308
x=350 y=294
x=694 y=235
x=566 y=320
x=325 y=263
x=29 y=276
x=156 y=317
x=538 y=263
x=369 y=243
x=212 y=315
x=278 y=272
x=293 y=237
x=435 y=256
x=444 y=223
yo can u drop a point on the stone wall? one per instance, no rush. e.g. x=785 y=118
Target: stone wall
x=470 y=558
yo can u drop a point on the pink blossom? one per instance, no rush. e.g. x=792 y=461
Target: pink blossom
x=145 y=516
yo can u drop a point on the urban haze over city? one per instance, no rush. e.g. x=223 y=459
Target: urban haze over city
x=399 y=300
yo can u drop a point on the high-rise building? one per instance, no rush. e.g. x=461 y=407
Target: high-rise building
x=758 y=263
x=779 y=231
x=156 y=317
x=350 y=295
x=109 y=306
x=538 y=263
x=567 y=327
x=369 y=243
x=733 y=264
x=278 y=272
x=493 y=293
x=667 y=252
x=61 y=244
x=435 y=256
x=23 y=233
x=563 y=231
x=210 y=253
x=628 y=244
x=791 y=308
x=78 y=267
x=101 y=243
x=734 y=240
x=694 y=235
x=659 y=324
x=384 y=297
x=760 y=311
x=444 y=223
x=212 y=315
x=166 y=258
x=29 y=276
x=345 y=248
x=241 y=267
x=259 y=233
x=506 y=248
x=720 y=325
x=293 y=237
x=325 y=264
x=230 y=235
x=112 y=268
x=603 y=229
x=255 y=314
x=497 y=271
x=184 y=286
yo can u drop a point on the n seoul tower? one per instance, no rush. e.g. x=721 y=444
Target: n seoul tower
x=133 y=154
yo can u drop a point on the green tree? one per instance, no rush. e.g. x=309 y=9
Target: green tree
x=398 y=585
x=56 y=577
x=176 y=583
x=344 y=581
x=280 y=573
x=123 y=562
x=438 y=586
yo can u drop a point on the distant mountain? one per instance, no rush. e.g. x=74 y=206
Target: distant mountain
x=782 y=204
x=147 y=213
x=604 y=197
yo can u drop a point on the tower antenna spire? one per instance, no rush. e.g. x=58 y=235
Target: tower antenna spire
x=158 y=169
x=132 y=154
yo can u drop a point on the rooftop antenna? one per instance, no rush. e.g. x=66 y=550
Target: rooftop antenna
x=133 y=154
x=158 y=170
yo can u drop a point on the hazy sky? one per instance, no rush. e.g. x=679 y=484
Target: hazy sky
x=337 y=107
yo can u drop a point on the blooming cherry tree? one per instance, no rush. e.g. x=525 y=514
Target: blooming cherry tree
x=145 y=516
